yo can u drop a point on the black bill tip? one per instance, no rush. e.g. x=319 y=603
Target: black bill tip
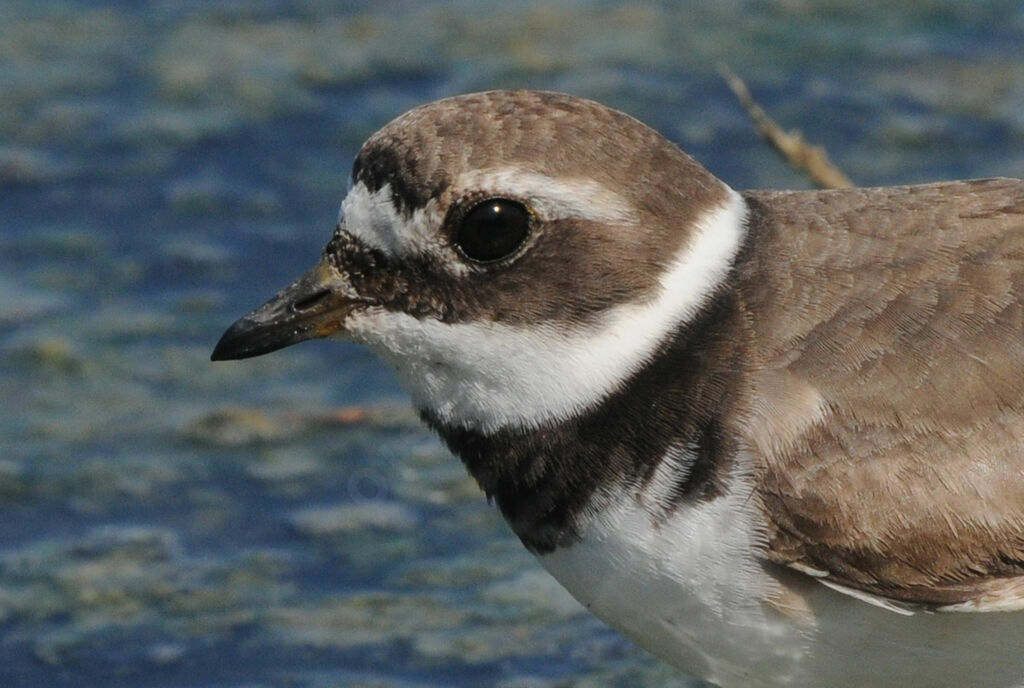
x=247 y=338
x=313 y=306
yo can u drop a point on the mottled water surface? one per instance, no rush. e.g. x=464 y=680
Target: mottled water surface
x=165 y=166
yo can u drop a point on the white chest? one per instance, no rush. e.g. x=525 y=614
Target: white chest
x=688 y=589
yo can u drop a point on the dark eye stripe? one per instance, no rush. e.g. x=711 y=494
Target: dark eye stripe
x=493 y=229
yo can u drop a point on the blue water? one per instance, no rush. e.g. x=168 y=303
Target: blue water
x=164 y=167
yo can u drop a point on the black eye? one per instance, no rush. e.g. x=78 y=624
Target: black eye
x=493 y=230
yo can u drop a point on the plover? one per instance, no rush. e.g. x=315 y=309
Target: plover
x=775 y=438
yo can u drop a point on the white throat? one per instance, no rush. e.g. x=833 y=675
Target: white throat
x=487 y=376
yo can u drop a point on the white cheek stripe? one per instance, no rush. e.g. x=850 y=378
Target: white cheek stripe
x=487 y=376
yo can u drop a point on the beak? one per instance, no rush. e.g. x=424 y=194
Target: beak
x=313 y=306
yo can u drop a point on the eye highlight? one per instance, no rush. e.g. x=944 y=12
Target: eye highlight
x=493 y=230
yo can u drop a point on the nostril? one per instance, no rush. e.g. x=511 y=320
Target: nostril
x=309 y=302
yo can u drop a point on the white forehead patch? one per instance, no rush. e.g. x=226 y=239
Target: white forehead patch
x=486 y=375
x=371 y=217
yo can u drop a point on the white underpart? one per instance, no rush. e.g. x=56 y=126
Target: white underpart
x=688 y=586
x=487 y=376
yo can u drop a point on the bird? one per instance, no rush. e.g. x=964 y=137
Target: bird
x=775 y=438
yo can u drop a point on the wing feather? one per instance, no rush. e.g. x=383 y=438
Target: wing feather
x=887 y=416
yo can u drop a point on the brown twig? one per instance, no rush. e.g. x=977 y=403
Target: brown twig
x=811 y=160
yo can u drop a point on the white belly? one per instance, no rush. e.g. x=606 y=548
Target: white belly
x=690 y=590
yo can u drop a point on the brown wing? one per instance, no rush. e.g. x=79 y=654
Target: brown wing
x=888 y=414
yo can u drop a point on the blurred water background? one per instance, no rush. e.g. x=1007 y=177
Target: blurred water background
x=165 y=166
